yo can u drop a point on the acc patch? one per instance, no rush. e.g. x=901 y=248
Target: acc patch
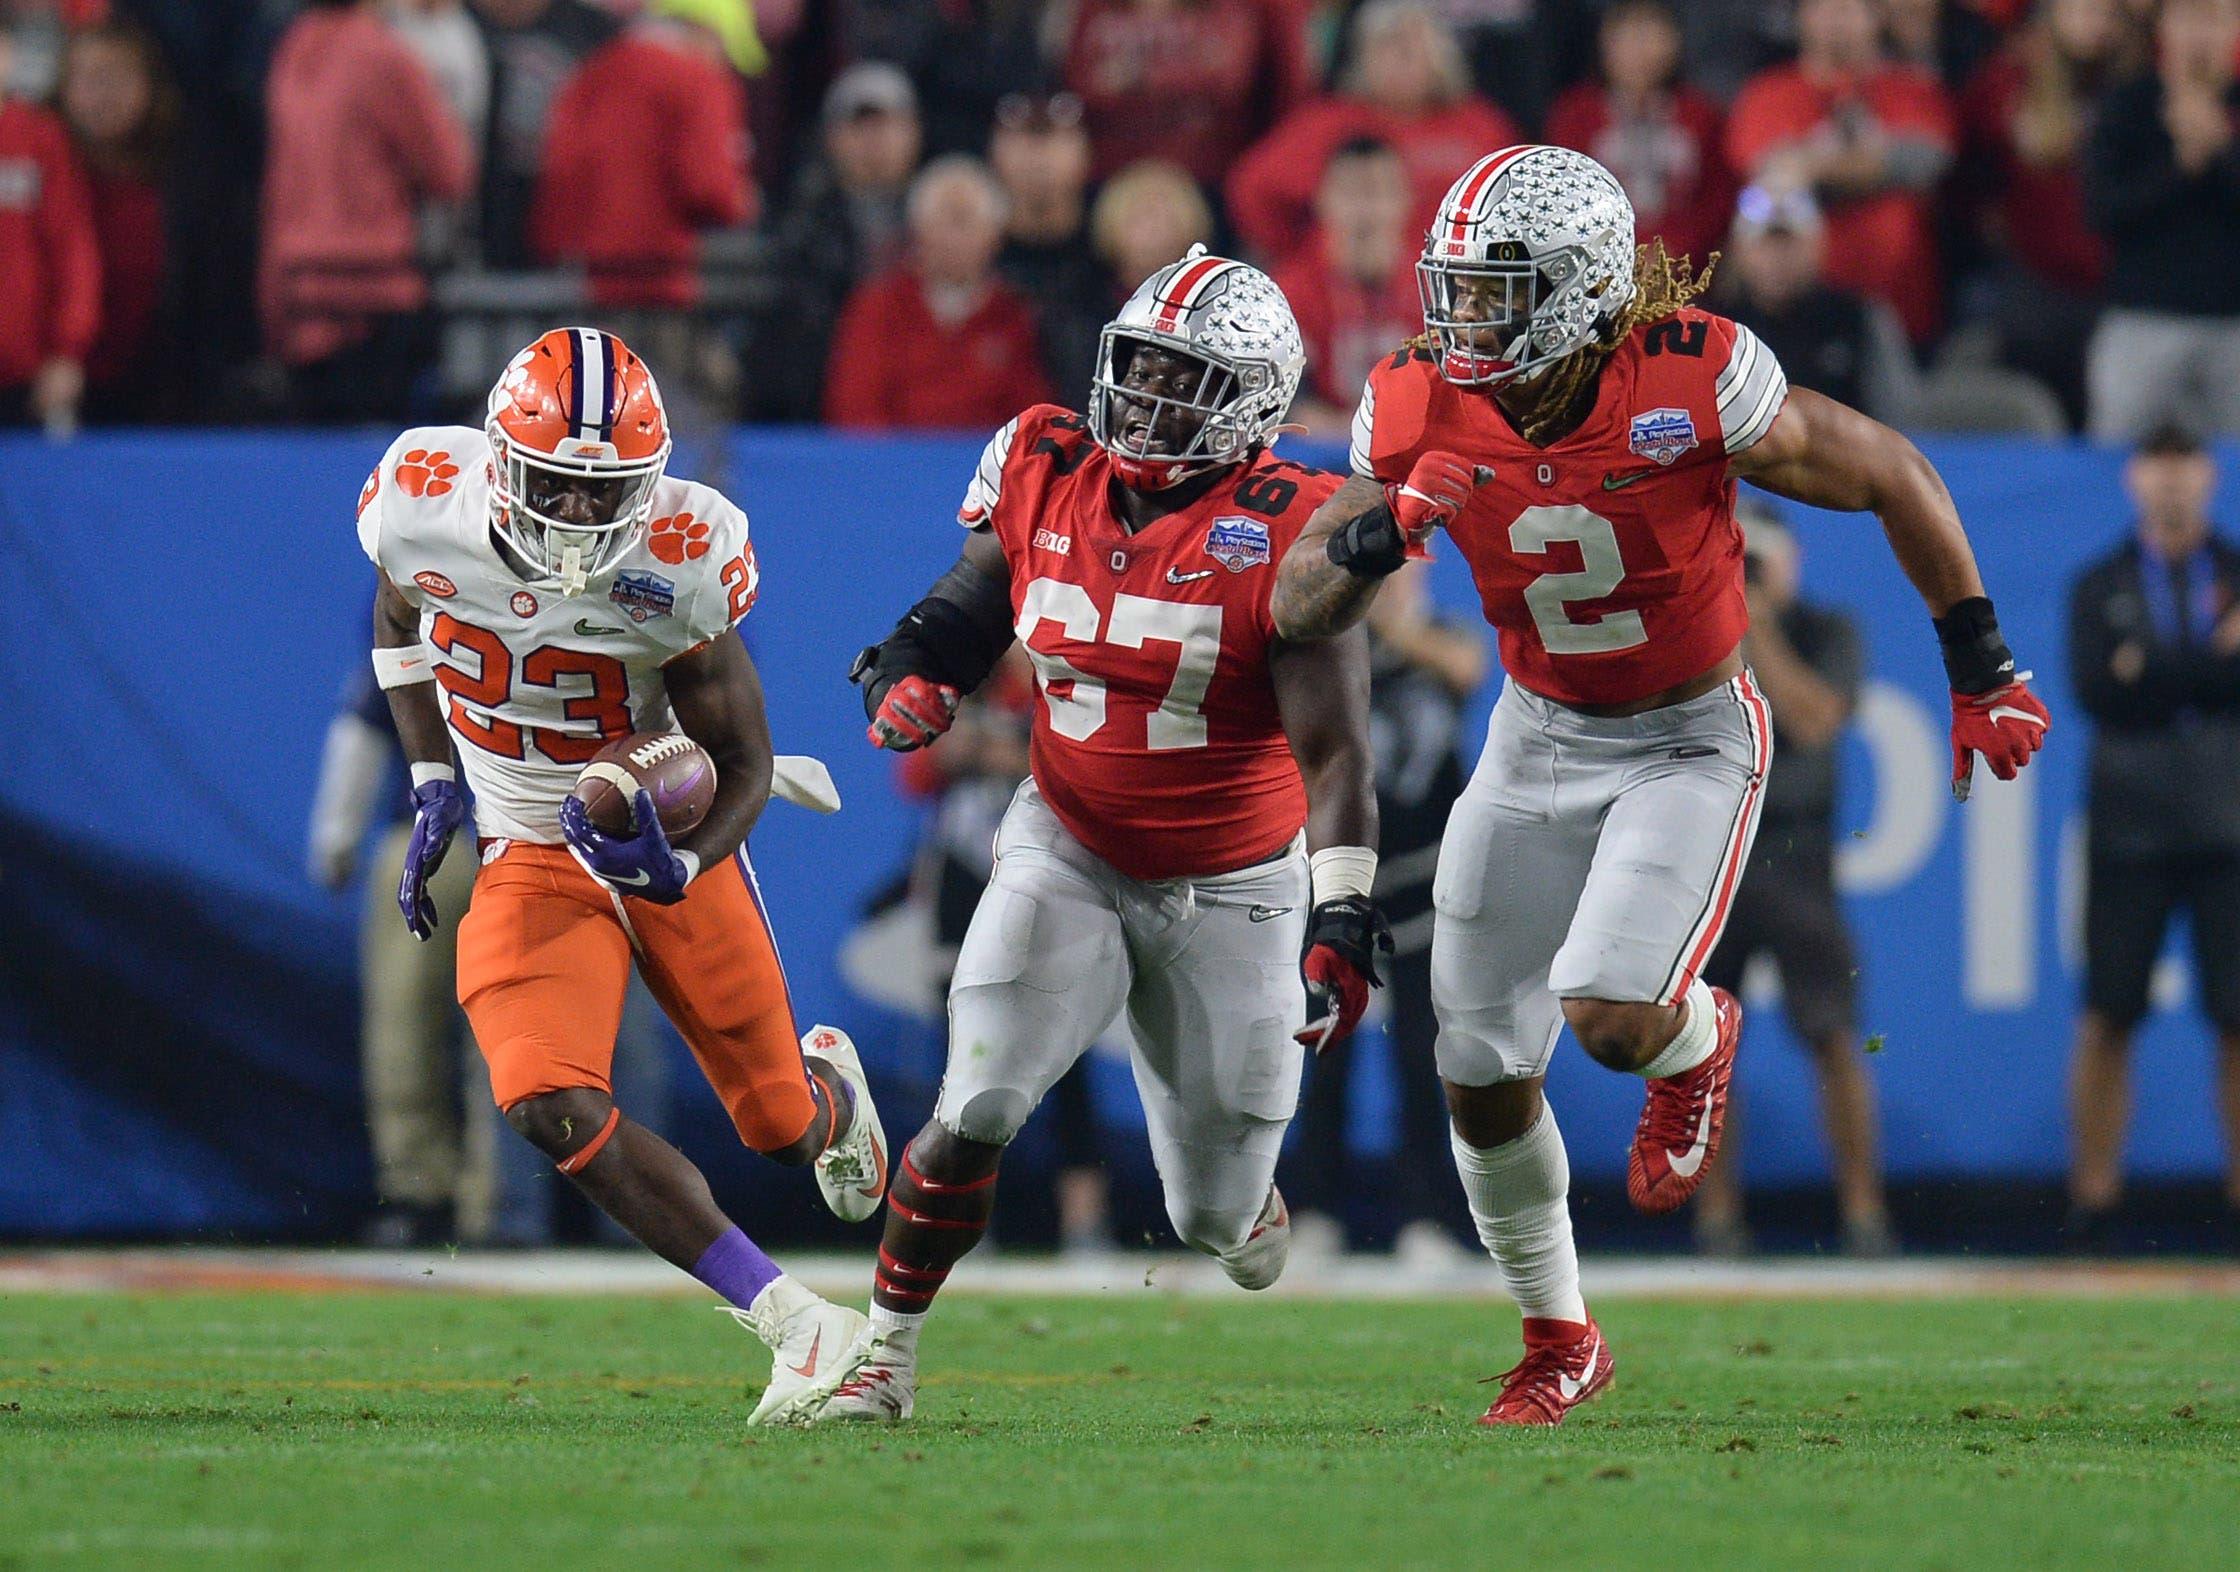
x=1237 y=543
x=436 y=584
x=643 y=595
x=1662 y=434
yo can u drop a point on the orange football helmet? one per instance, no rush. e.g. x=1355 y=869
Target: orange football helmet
x=578 y=439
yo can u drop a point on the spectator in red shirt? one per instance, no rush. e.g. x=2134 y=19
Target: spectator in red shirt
x=122 y=112
x=358 y=138
x=1353 y=288
x=940 y=342
x=1191 y=81
x=50 y=267
x=1146 y=216
x=646 y=148
x=2028 y=114
x=1660 y=137
x=1869 y=139
x=1407 y=89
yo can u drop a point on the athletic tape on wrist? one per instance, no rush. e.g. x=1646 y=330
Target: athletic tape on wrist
x=1336 y=872
x=424 y=773
x=403 y=665
x=691 y=861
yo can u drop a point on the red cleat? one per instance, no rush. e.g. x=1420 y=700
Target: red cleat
x=1565 y=1364
x=1683 y=1119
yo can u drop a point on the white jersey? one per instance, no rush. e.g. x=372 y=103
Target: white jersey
x=535 y=683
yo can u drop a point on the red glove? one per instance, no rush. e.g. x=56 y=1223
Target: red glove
x=913 y=712
x=1434 y=492
x=1344 y=939
x=2006 y=726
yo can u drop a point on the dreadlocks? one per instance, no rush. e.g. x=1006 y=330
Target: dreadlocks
x=1662 y=284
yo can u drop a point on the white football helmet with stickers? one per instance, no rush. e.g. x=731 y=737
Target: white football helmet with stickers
x=1234 y=321
x=1529 y=260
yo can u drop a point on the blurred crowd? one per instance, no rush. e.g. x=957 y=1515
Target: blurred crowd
x=880 y=213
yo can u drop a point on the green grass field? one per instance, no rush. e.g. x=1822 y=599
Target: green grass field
x=446 y=1430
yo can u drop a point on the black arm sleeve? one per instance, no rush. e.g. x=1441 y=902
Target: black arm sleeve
x=954 y=636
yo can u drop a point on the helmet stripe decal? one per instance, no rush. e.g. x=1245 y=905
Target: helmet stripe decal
x=588 y=412
x=1176 y=298
x=1465 y=212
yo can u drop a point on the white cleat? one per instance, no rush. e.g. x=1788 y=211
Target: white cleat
x=882 y=1390
x=814 y=1345
x=1259 y=1261
x=853 y=1171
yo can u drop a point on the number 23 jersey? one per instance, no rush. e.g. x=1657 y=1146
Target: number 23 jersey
x=532 y=683
x=1157 y=742
x=1609 y=561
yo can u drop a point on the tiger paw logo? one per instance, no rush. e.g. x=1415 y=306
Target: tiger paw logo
x=678 y=538
x=424 y=474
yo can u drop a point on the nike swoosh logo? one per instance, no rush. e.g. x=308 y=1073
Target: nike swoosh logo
x=1265 y=913
x=593 y=630
x=878 y=1185
x=808 y=1367
x=1177 y=576
x=633 y=880
x=1686 y=1163
x=1619 y=482
x=1572 y=1386
x=2008 y=712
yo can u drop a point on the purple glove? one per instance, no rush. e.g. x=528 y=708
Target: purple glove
x=438 y=809
x=640 y=864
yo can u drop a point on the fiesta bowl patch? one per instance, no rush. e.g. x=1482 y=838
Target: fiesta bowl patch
x=436 y=584
x=1237 y=543
x=643 y=595
x=1662 y=434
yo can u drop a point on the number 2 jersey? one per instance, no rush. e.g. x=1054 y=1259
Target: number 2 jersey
x=534 y=683
x=1609 y=561
x=1157 y=744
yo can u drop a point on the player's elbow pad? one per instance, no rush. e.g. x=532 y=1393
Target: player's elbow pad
x=954 y=636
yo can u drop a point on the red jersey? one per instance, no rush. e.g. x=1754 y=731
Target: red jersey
x=1609 y=561
x=1157 y=743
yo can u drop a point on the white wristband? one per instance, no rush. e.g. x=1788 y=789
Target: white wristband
x=691 y=861
x=402 y=666
x=1336 y=872
x=424 y=773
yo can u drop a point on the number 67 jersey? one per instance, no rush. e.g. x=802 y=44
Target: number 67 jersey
x=1609 y=561
x=1157 y=742
x=534 y=683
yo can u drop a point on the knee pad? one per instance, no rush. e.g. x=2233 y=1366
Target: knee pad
x=991 y=1117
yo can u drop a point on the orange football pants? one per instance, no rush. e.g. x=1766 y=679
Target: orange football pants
x=544 y=957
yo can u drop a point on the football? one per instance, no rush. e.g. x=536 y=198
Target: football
x=670 y=765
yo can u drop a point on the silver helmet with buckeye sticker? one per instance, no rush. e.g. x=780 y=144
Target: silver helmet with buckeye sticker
x=1530 y=259
x=1196 y=372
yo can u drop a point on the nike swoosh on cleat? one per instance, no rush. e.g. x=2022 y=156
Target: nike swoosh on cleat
x=1571 y=1387
x=808 y=1367
x=878 y=1185
x=1686 y=1163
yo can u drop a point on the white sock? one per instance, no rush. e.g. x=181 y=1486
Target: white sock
x=1519 y=1198
x=1692 y=1044
x=901 y=1329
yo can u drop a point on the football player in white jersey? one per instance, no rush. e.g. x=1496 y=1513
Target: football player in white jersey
x=546 y=589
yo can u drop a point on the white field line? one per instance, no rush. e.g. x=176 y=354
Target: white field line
x=848 y=1277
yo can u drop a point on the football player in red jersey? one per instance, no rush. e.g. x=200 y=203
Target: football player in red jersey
x=1577 y=428
x=1201 y=808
